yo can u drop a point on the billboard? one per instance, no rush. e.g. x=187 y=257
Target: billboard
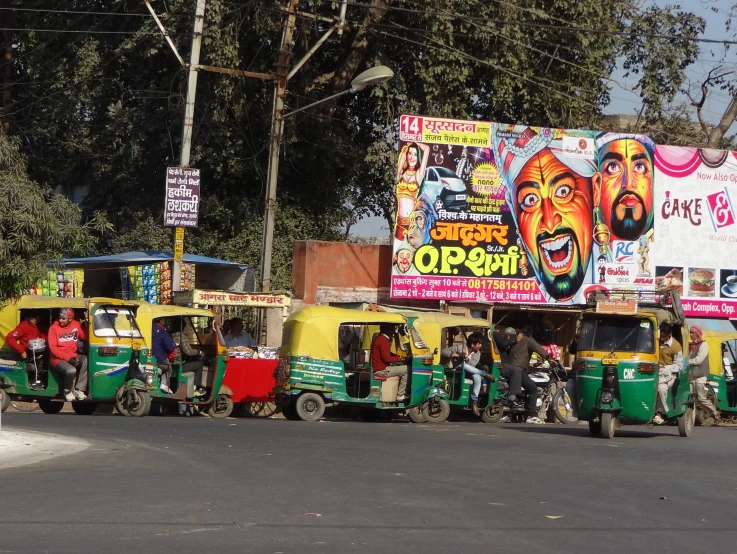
x=182 y=199
x=697 y=228
x=518 y=214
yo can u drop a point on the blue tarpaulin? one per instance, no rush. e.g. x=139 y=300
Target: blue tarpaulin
x=144 y=257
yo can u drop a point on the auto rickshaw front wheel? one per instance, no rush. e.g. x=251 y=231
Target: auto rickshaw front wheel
x=310 y=406
x=49 y=407
x=436 y=410
x=221 y=407
x=84 y=408
x=608 y=423
x=132 y=402
x=493 y=413
x=415 y=415
x=686 y=422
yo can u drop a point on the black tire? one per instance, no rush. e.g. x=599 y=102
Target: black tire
x=686 y=422
x=607 y=425
x=562 y=400
x=49 y=407
x=84 y=408
x=493 y=413
x=310 y=406
x=436 y=411
x=259 y=409
x=290 y=412
x=26 y=406
x=132 y=402
x=221 y=407
x=415 y=415
x=368 y=414
x=4 y=400
x=595 y=427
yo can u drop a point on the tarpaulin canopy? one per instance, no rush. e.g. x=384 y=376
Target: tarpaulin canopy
x=143 y=257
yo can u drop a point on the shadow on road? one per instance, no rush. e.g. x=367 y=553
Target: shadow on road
x=580 y=431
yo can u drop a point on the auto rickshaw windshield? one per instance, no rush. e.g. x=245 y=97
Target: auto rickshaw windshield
x=115 y=321
x=620 y=334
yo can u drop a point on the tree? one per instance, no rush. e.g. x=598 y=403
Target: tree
x=37 y=226
x=102 y=108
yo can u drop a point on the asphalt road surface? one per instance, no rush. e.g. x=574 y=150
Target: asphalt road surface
x=181 y=485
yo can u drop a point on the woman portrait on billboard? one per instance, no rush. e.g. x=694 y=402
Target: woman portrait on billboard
x=410 y=173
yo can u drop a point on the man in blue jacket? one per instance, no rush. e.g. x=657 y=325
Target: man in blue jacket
x=163 y=348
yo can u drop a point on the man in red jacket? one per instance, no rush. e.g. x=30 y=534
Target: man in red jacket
x=382 y=356
x=26 y=331
x=63 y=337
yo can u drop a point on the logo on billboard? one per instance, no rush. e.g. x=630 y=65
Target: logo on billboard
x=624 y=251
x=410 y=128
x=720 y=209
x=578 y=147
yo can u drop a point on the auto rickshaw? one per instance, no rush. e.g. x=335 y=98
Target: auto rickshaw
x=140 y=390
x=721 y=386
x=618 y=362
x=325 y=358
x=114 y=346
x=439 y=331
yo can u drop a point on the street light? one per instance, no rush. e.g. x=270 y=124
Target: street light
x=374 y=76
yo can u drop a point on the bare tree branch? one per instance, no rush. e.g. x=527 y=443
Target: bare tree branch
x=717 y=134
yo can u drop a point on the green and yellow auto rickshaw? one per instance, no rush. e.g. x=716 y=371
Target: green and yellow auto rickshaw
x=325 y=358
x=114 y=346
x=721 y=386
x=440 y=331
x=618 y=362
x=141 y=389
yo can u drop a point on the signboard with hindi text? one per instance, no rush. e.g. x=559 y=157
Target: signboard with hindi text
x=493 y=212
x=182 y=201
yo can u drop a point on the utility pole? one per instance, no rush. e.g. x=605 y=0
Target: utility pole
x=194 y=60
x=277 y=129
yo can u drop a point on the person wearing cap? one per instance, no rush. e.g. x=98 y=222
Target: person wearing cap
x=64 y=335
x=698 y=361
x=552 y=195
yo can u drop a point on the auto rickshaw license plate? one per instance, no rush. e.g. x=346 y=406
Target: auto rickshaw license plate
x=609 y=361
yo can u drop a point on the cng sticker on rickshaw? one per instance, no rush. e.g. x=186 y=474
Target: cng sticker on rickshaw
x=628 y=374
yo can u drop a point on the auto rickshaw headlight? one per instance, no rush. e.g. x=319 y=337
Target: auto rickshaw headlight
x=606 y=397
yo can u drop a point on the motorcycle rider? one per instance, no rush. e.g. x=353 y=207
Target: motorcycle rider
x=519 y=356
x=504 y=341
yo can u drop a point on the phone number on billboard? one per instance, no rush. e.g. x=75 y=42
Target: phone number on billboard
x=500 y=284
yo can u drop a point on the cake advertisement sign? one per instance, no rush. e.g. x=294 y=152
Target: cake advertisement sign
x=697 y=228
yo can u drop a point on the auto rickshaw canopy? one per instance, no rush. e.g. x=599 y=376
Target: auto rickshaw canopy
x=313 y=331
x=146 y=313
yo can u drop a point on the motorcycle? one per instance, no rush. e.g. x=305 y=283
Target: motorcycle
x=551 y=396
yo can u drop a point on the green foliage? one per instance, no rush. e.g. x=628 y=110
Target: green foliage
x=104 y=111
x=36 y=227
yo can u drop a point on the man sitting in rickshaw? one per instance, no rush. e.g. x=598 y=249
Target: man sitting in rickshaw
x=382 y=357
x=469 y=356
x=671 y=363
x=64 y=335
x=20 y=339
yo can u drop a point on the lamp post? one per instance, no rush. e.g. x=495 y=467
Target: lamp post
x=374 y=76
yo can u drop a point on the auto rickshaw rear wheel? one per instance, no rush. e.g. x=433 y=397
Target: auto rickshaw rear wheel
x=258 y=409
x=84 y=408
x=4 y=400
x=132 y=402
x=49 y=407
x=415 y=415
x=493 y=414
x=436 y=410
x=608 y=423
x=310 y=406
x=221 y=407
x=686 y=422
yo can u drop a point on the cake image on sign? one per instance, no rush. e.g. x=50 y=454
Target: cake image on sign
x=701 y=282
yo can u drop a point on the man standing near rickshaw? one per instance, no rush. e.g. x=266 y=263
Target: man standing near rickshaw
x=382 y=357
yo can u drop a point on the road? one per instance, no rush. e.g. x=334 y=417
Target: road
x=181 y=485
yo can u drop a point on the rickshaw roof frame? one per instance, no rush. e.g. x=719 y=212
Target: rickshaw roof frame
x=446 y=320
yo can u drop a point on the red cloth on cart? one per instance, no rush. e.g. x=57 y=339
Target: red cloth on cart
x=251 y=380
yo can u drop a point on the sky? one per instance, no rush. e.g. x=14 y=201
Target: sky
x=624 y=101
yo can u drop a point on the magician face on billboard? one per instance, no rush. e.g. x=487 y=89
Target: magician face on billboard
x=553 y=196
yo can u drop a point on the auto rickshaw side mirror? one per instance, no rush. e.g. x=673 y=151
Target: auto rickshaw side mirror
x=435 y=352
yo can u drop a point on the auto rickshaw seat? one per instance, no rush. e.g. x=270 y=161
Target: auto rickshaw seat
x=389 y=388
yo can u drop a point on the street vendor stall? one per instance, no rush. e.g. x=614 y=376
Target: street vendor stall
x=250 y=371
